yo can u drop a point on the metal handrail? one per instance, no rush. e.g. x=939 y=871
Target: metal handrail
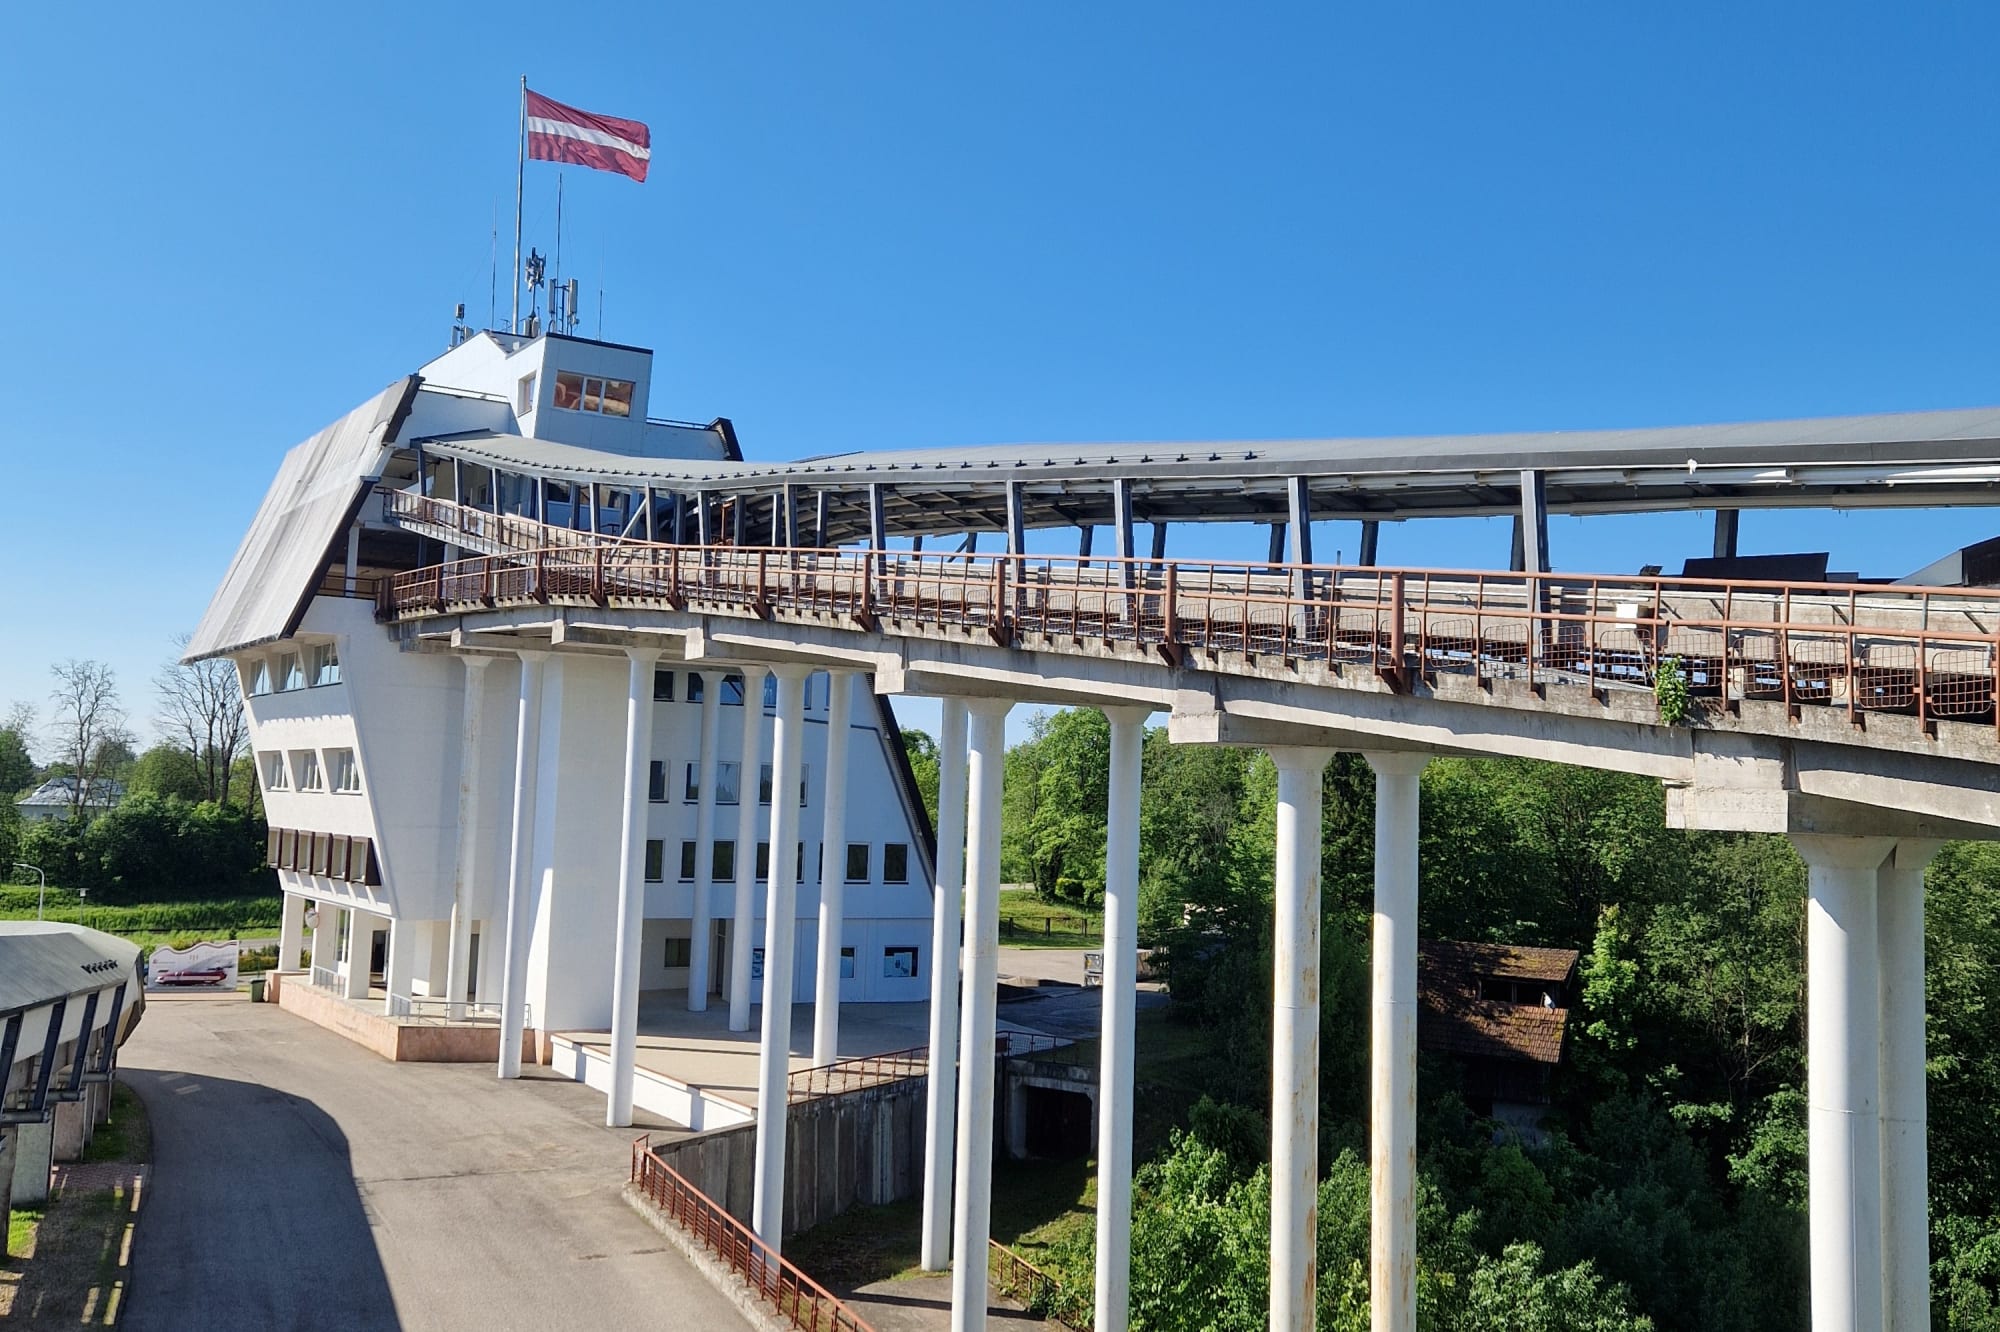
x=1934 y=652
x=848 y=1075
x=1036 y=1289
x=795 y=1296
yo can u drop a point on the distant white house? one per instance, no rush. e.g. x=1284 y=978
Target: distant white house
x=54 y=798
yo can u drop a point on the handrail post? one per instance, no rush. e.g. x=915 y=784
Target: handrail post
x=1397 y=604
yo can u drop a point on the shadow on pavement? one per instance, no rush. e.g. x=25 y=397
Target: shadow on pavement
x=253 y=1217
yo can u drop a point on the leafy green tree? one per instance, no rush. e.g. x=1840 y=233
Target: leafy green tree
x=17 y=763
x=922 y=751
x=165 y=770
x=1054 y=804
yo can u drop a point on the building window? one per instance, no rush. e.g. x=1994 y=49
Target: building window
x=344 y=773
x=857 y=862
x=727 y=783
x=273 y=766
x=291 y=675
x=896 y=862
x=764 y=783
x=847 y=964
x=721 y=862
x=770 y=691
x=756 y=964
x=680 y=951
x=687 y=862
x=325 y=664
x=697 y=687
x=588 y=393
x=524 y=397
x=305 y=764
x=763 y=860
x=732 y=691
x=260 y=676
x=899 y=963
x=656 y=782
x=656 y=855
x=663 y=686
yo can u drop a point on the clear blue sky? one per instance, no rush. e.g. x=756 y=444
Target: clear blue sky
x=912 y=224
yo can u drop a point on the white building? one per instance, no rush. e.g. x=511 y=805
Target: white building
x=389 y=772
x=56 y=799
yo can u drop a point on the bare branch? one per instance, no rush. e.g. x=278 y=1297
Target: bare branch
x=201 y=712
x=88 y=725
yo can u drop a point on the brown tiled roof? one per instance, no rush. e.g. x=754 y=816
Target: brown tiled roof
x=1453 y=1019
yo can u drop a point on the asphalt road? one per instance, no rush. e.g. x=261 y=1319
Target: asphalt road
x=301 y=1182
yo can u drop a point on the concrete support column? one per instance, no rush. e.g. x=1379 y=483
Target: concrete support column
x=291 y=932
x=1906 y=1213
x=743 y=929
x=398 y=963
x=1392 y=1113
x=941 y=1095
x=1120 y=999
x=780 y=935
x=520 y=888
x=631 y=884
x=471 y=837
x=700 y=918
x=832 y=867
x=972 y=1219
x=360 y=952
x=1843 y=1080
x=1295 y=1041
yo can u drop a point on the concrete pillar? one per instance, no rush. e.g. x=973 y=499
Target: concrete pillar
x=941 y=1096
x=34 y=1148
x=1120 y=999
x=325 y=936
x=1726 y=523
x=471 y=837
x=1392 y=1066
x=360 y=952
x=521 y=863
x=972 y=1219
x=1906 y=1213
x=631 y=884
x=1843 y=1079
x=701 y=926
x=398 y=962
x=1295 y=1041
x=9 y=1147
x=743 y=929
x=780 y=935
x=291 y=932
x=832 y=867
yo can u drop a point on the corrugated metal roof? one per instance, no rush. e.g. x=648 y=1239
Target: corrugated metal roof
x=316 y=490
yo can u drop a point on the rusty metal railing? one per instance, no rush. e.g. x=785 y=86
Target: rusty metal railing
x=796 y=1297
x=856 y=1074
x=1933 y=653
x=1037 y=1290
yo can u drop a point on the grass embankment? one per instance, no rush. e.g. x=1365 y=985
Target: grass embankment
x=1028 y=920
x=1038 y=1206
x=68 y=1259
x=150 y=924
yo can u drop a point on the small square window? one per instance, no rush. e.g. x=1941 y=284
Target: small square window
x=847 y=964
x=770 y=691
x=763 y=860
x=655 y=860
x=764 y=783
x=663 y=686
x=344 y=773
x=273 y=765
x=291 y=674
x=732 y=691
x=899 y=963
x=337 y=866
x=725 y=783
x=305 y=766
x=260 y=676
x=756 y=964
x=680 y=951
x=722 y=865
x=524 y=395
x=687 y=862
x=857 y=862
x=656 y=782
x=896 y=862
x=697 y=687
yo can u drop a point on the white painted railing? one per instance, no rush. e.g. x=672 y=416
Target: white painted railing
x=433 y=1009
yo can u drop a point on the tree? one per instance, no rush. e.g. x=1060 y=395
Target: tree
x=167 y=770
x=201 y=710
x=17 y=764
x=87 y=724
x=922 y=752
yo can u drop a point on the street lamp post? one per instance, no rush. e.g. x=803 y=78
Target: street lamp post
x=41 y=900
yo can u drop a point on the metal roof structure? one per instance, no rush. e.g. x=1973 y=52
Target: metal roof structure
x=1910 y=459
x=43 y=961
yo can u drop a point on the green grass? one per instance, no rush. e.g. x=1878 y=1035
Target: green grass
x=127 y=1135
x=1029 y=921
x=22 y=1223
x=150 y=924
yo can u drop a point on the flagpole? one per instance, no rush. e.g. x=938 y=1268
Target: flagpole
x=520 y=171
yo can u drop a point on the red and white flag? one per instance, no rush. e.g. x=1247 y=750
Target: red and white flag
x=558 y=133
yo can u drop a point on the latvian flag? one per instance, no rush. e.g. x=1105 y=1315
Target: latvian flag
x=558 y=133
